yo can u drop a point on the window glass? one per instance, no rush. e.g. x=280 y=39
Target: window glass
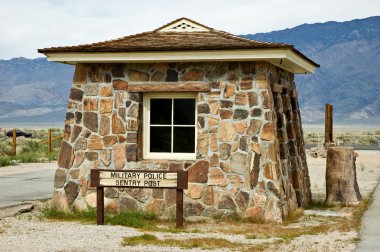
x=184 y=139
x=184 y=111
x=161 y=111
x=160 y=139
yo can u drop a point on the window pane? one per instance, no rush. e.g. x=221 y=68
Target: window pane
x=160 y=139
x=184 y=140
x=184 y=111
x=160 y=111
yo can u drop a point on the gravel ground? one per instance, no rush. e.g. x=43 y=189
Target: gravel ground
x=26 y=232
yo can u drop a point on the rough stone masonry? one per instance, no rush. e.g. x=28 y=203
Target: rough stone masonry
x=250 y=156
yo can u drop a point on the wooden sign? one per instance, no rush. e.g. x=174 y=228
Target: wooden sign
x=141 y=179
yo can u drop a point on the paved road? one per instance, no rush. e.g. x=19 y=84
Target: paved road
x=370 y=234
x=18 y=187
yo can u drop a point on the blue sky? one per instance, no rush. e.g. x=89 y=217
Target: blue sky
x=29 y=25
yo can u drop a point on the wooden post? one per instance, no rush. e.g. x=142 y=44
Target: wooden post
x=100 y=205
x=341 y=182
x=179 y=208
x=49 y=141
x=14 y=143
x=328 y=123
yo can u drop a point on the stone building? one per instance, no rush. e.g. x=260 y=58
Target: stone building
x=186 y=97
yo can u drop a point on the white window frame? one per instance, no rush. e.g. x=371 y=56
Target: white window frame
x=146 y=127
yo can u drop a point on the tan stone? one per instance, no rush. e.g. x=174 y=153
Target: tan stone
x=240 y=127
x=240 y=99
x=84 y=185
x=214 y=108
x=90 y=104
x=105 y=106
x=118 y=100
x=268 y=132
x=270 y=171
x=192 y=75
x=216 y=177
x=212 y=121
x=198 y=172
x=214 y=160
x=80 y=74
x=156 y=206
x=210 y=196
x=225 y=166
x=109 y=141
x=225 y=113
x=120 y=85
x=229 y=91
x=194 y=191
x=202 y=146
x=214 y=142
x=104 y=128
x=91 y=199
x=226 y=131
x=59 y=201
x=262 y=81
x=137 y=76
x=267 y=100
x=254 y=127
x=117 y=124
x=105 y=91
x=255 y=147
x=95 y=143
x=119 y=155
x=105 y=156
x=255 y=213
x=132 y=125
x=246 y=84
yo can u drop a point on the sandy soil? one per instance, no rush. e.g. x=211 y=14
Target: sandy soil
x=27 y=232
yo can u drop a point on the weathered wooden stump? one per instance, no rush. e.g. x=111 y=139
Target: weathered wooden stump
x=341 y=183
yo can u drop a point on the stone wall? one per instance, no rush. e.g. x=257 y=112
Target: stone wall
x=250 y=156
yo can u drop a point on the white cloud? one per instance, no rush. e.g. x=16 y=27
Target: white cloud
x=28 y=25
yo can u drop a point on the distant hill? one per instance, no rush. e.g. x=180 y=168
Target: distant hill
x=35 y=90
x=349 y=77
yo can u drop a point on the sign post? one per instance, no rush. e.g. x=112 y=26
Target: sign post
x=141 y=179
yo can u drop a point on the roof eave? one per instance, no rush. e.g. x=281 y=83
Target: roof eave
x=283 y=58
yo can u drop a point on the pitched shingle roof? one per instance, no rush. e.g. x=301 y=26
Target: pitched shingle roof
x=171 y=37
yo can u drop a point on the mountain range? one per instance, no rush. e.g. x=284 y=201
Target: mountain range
x=35 y=91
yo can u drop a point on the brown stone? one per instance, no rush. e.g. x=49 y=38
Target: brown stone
x=254 y=127
x=137 y=76
x=203 y=108
x=214 y=160
x=246 y=84
x=119 y=155
x=90 y=121
x=226 y=104
x=59 y=178
x=256 y=112
x=90 y=104
x=216 y=177
x=117 y=124
x=75 y=133
x=119 y=85
x=132 y=137
x=109 y=141
x=242 y=200
x=95 y=73
x=198 y=172
x=209 y=196
x=192 y=75
x=268 y=132
x=104 y=128
x=255 y=147
x=226 y=202
x=78 y=117
x=158 y=193
x=133 y=111
x=105 y=156
x=240 y=99
x=255 y=213
x=66 y=156
x=67 y=132
x=158 y=76
x=252 y=99
x=236 y=180
x=270 y=171
x=226 y=131
x=214 y=142
x=105 y=91
x=213 y=95
x=132 y=125
x=262 y=81
x=266 y=98
x=140 y=194
x=71 y=191
x=117 y=70
x=240 y=127
x=95 y=143
x=92 y=156
x=131 y=152
x=248 y=67
x=225 y=113
x=240 y=114
x=202 y=144
x=79 y=158
x=194 y=191
x=238 y=163
x=76 y=94
x=84 y=186
x=170 y=87
x=118 y=99
x=105 y=106
x=121 y=138
x=243 y=143
x=80 y=74
x=229 y=91
x=170 y=197
x=156 y=206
